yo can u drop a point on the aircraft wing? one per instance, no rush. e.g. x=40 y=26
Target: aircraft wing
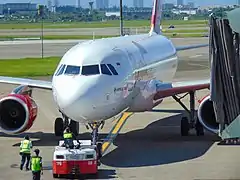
x=181 y=87
x=29 y=82
x=182 y=48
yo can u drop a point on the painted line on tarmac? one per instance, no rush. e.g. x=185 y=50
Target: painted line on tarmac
x=201 y=65
x=45 y=42
x=195 y=56
x=115 y=131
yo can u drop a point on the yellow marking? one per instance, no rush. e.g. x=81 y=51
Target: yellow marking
x=104 y=146
x=120 y=122
x=116 y=129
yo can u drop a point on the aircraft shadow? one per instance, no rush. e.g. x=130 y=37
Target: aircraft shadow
x=43 y=139
x=158 y=144
x=167 y=110
x=102 y=173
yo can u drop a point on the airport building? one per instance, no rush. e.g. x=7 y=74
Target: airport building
x=186 y=11
x=168 y=6
x=138 y=3
x=78 y=4
x=180 y=3
x=1 y=8
x=13 y=7
x=191 y=4
x=102 y=4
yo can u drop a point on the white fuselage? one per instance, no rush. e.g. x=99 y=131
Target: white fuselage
x=86 y=94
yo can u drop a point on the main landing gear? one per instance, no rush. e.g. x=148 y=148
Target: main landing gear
x=193 y=122
x=62 y=123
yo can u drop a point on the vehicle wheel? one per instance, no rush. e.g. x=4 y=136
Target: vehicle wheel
x=199 y=129
x=93 y=176
x=59 y=127
x=184 y=126
x=74 y=126
x=55 y=175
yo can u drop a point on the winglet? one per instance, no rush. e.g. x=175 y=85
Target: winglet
x=156 y=17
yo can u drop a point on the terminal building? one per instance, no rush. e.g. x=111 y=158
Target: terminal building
x=13 y=7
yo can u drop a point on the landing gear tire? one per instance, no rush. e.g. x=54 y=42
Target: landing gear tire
x=74 y=126
x=59 y=127
x=199 y=129
x=184 y=126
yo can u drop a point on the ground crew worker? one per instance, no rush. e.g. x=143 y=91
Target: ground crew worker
x=36 y=165
x=25 y=152
x=68 y=138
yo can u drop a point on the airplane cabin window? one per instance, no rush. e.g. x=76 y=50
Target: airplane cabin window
x=112 y=69
x=62 y=68
x=105 y=69
x=72 y=70
x=90 y=70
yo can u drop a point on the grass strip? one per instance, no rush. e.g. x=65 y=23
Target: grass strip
x=28 y=67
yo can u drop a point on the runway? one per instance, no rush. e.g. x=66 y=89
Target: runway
x=87 y=31
x=22 y=49
x=148 y=147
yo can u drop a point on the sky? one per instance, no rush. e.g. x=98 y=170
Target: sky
x=147 y=3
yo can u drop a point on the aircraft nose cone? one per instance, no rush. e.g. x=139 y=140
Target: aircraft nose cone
x=75 y=98
x=65 y=94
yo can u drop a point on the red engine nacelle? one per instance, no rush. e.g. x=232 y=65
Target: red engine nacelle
x=206 y=115
x=17 y=113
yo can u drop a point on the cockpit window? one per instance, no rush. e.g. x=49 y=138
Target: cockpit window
x=112 y=69
x=105 y=69
x=61 y=70
x=72 y=70
x=90 y=70
x=58 y=69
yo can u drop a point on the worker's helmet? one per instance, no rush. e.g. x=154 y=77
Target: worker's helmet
x=26 y=137
x=37 y=151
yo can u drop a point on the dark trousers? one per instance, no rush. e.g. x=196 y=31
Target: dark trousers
x=69 y=143
x=36 y=175
x=24 y=157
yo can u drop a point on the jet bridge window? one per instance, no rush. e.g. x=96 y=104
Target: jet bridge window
x=105 y=69
x=60 y=70
x=72 y=70
x=90 y=70
x=112 y=69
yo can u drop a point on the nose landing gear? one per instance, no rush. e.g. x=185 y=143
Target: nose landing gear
x=94 y=126
x=61 y=124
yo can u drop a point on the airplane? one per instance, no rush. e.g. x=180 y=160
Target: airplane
x=99 y=79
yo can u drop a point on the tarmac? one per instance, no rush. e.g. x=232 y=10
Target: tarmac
x=87 y=31
x=149 y=145
x=33 y=48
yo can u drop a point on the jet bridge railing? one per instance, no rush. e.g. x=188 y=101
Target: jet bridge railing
x=225 y=76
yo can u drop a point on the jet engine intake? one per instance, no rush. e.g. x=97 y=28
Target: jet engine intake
x=17 y=113
x=206 y=115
